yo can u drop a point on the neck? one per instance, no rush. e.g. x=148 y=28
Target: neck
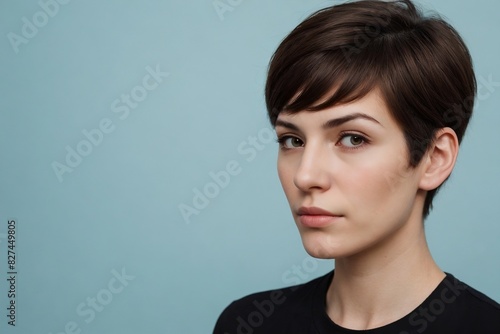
x=382 y=285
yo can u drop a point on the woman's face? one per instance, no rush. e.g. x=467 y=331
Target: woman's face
x=345 y=174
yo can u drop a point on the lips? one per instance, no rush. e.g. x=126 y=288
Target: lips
x=315 y=217
x=314 y=211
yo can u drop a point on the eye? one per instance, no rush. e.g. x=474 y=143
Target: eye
x=289 y=142
x=350 y=140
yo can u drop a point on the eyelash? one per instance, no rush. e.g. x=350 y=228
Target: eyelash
x=281 y=141
x=343 y=135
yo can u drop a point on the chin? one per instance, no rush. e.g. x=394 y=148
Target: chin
x=326 y=245
x=322 y=247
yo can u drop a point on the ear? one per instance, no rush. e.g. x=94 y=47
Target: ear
x=440 y=159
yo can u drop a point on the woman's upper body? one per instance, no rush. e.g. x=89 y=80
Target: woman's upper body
x=346 y=208
x=370 y=101
x=452 y=307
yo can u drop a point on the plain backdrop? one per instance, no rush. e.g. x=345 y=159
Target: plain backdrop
x=116 y=115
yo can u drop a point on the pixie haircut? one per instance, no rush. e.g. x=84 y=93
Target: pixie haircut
x=420 y=65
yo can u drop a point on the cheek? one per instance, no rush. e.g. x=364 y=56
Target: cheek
x=382 y=181
x=286 y=173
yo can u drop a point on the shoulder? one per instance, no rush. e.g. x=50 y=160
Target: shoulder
x=455 y=287
x=267 y=309
x=466 y=307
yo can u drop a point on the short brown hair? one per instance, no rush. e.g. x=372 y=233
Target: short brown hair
x=420 y=64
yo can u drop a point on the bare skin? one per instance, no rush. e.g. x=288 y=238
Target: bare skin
x=354 y=199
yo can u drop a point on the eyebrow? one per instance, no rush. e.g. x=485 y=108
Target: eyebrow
x=331 y=123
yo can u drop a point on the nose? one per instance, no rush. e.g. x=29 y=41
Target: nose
x=312 y=173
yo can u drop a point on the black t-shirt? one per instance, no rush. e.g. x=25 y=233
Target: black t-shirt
x=452 y=308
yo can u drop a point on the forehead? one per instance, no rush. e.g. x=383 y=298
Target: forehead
x=371 y=106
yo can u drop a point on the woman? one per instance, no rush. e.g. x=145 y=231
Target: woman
x=370 y=101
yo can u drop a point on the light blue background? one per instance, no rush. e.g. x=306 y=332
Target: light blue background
x=119 y=209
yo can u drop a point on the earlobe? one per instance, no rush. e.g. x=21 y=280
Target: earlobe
x=440 y=159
